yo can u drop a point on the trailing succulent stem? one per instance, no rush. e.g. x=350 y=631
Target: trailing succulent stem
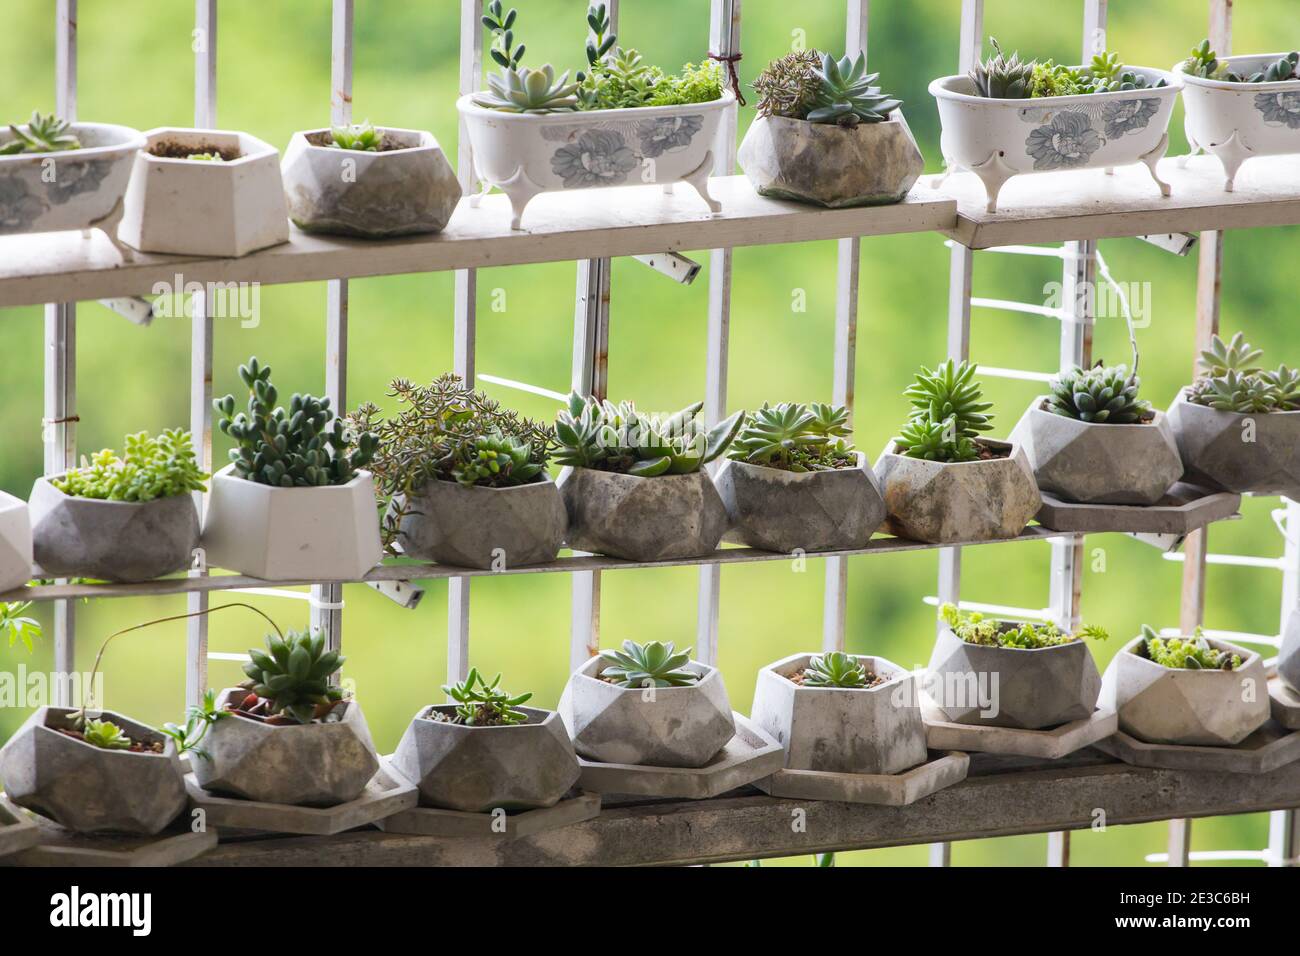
x=44 y=134
x=480 y=703
x=794 y=436
x=290 y=679
x=973 y=628
x=1185 y=653
x=836 y=669
x=1011 y=78
x=654 y=664
x=1233 y=381
x=1099 y=395
x=948 y=413
x=160 y=467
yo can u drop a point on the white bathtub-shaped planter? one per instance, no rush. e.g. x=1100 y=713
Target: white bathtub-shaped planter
x=997 y=138
x=74 y=189
x=530 y=153
x=1236 y=121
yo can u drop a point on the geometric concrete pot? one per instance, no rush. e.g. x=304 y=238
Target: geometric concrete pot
x=18 y=831
x=205 y=207
x=374 y=195
x=111 y=540
x=316 y=764
x=431 y=821
x=1011 y=686
x=86 y=788
x=1163 y=705
x=1288 y=655
x=870 y=164
x=779 y=510
x=479 y=769
x=1094 y=463
x=667 y=517
x=945 y=502
x=481 y=527
x=874 y=730
x=323 y=533
x=1235 y=452
x=654 y=726
x=15 y=543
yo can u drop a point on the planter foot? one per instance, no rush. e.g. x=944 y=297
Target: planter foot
x=108 y=226
x=521 y=191
x=949 y=167
x=993 y=173
x=699 y=179
x=1150 y=159
x=1194 y=147
x=1232 y=153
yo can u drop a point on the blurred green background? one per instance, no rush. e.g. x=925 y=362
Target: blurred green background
x=136 y=68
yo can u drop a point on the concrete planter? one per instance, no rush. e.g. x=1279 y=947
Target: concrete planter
x=875 y=730
x=15 y=543
x=111 y=540
x=1161 y=705
x=330 y=533
x=1235 y=452
x=480 y=527
x=18 y=831
x=642 y=519
x=86 y=788
x=1029 y=689
x=945 y=503
x=317 y=764
x=783 y=511
x=202 y=208
x=659 y=726
x=871 y=164
x=1094 y=463
x=479 y=769
x=1288 y=656
x=374 y=195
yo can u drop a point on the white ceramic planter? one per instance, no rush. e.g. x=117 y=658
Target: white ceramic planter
x=998 y=138
x=1237 y=121
x=201 y=208
x=75 y=189
x=329 y=533
x=530 y=153
x=15 y=543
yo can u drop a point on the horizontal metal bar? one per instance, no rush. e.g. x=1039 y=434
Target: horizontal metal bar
x=521 y=386
x=1239 y=560
x=1016 y=373
x=1235 y=637
x=1001 y=610
x=1009 y=305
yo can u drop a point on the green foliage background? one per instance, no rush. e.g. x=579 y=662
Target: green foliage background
x=136 y=68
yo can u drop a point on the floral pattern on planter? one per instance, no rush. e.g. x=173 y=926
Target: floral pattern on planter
x=599 y=158
x=73 y=179
x=1128 y=116
x=1280 y=108
x=1068 y=140
x=18 y=207
x=664 y=135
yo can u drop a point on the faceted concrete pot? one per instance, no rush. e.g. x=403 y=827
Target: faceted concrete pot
x=479 y=527
x=1029 y=689
x=828 y=165
x=205 y=208
x=1098 y=463
x=642 y=519
x=656 y=726
x=15 y=543
x=1163 y=705
x=329 y=533
x=315 y=765
x=374 y=195
x=479 y=769
x=780 y=510
x=111 y=540
x=86 y=788
x=875 y=730
x=1288 y=656
x=1217 y=451
x=942 y=503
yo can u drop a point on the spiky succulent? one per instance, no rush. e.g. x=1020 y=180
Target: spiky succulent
x=105 y=735
x=1002 y=77
x=1232 y=380
x=1185 y=653
x=1099 y=395
x=836 y=669
x=1237 y=355
x=497 y=460
x=795 y=437
x=480 y=703
x=845 y=95
x=291 y=677
x=521 y=90
x=359 y=136
x=935 y=441
x=44 y=134
x=974 y=628
x=951 y=392
x=654 y=664
x=1107 y=75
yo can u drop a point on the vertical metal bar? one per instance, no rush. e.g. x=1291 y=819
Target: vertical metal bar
x=1283 y=839
x=1058 y=848
x=205 y=63
x=1180 y=842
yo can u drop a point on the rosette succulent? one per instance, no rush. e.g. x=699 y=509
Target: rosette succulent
x=480 y=703
x=654 y=664
x=290 y=679
x=836 y=669
x=1098 y=395
x=1233 y=381
x=795 y=437
x=44 y=134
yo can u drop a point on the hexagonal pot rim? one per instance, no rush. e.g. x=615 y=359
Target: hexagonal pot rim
x=802 y=477
x=1038 y=410
x=228 y=473
x=129 y=726
x=894 y=117
x=1248 y=657
x=259 y=149
x=597 y=664
x=1011 y=447
x=795 y=661
x=341 y=709
x=1182 y=399
x=426 y=142
x=47 y=481
x=422 y=715
x=544 y=480
x=992 y=649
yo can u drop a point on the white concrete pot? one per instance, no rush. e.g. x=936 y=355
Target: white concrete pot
x=76 y=189
x=188 y=207
x=15 y=543
x=329 y=533
x=841 y=729
x=374 y=195
x=530 y=153
x=1232 y=451
x=998 y=138
x=1238 y=121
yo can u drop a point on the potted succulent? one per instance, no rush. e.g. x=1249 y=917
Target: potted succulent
x=462 y=480
x=15 y=543
x=56 y=175
x=295 y=502
x=120 y=519
x=1010 y=116
x=793 y=481
x=1238 y=425
x=841 y=713
x=1187 y=690
x=999 y=673
x=825 y=135
x=636 y=487
x=1241 y=106
x=941 y=482
x=368 y=181
x=647 y=705
x=486 y=751
x=619 y=122
x=204 y=192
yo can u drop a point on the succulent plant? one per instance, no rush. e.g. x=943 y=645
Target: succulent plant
x=44 y=134
x=1232 y=380
x=1185 y=653
x=1002 y=77
x=974 y=628
x=1099 y=395
x=947 y=414
x=160 y=467
x=1203 y=62
x=1235 y=356
x=795 y=437
x=1233 y=392
x=291 y=677
x=788 y=86
x=105 y=735
x=654 y=664
x=1107 y=75
x=836 y=669
x=358 y=136
x=199 y=718
x=503 y=50
x=521 y=90
x=497 y=460
x=294 y=448
x=15 y=622
x=935 y=441
x=1055 y=79
x=845 y=95
x=1282 y=69
x=481 y=704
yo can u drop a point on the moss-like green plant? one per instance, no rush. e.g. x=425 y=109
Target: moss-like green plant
x=15 y=622
x=1098 y=395
x=291 y=678
x=44 y=134
x=794 y=436
x=836 y=669
x=361 y=137
x=205 y=157
x=160 y=467
x=105 y=734
x=974 y=628
x=654 y=664
x=1185 y=653
x=480 y=703
x=948 y=413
